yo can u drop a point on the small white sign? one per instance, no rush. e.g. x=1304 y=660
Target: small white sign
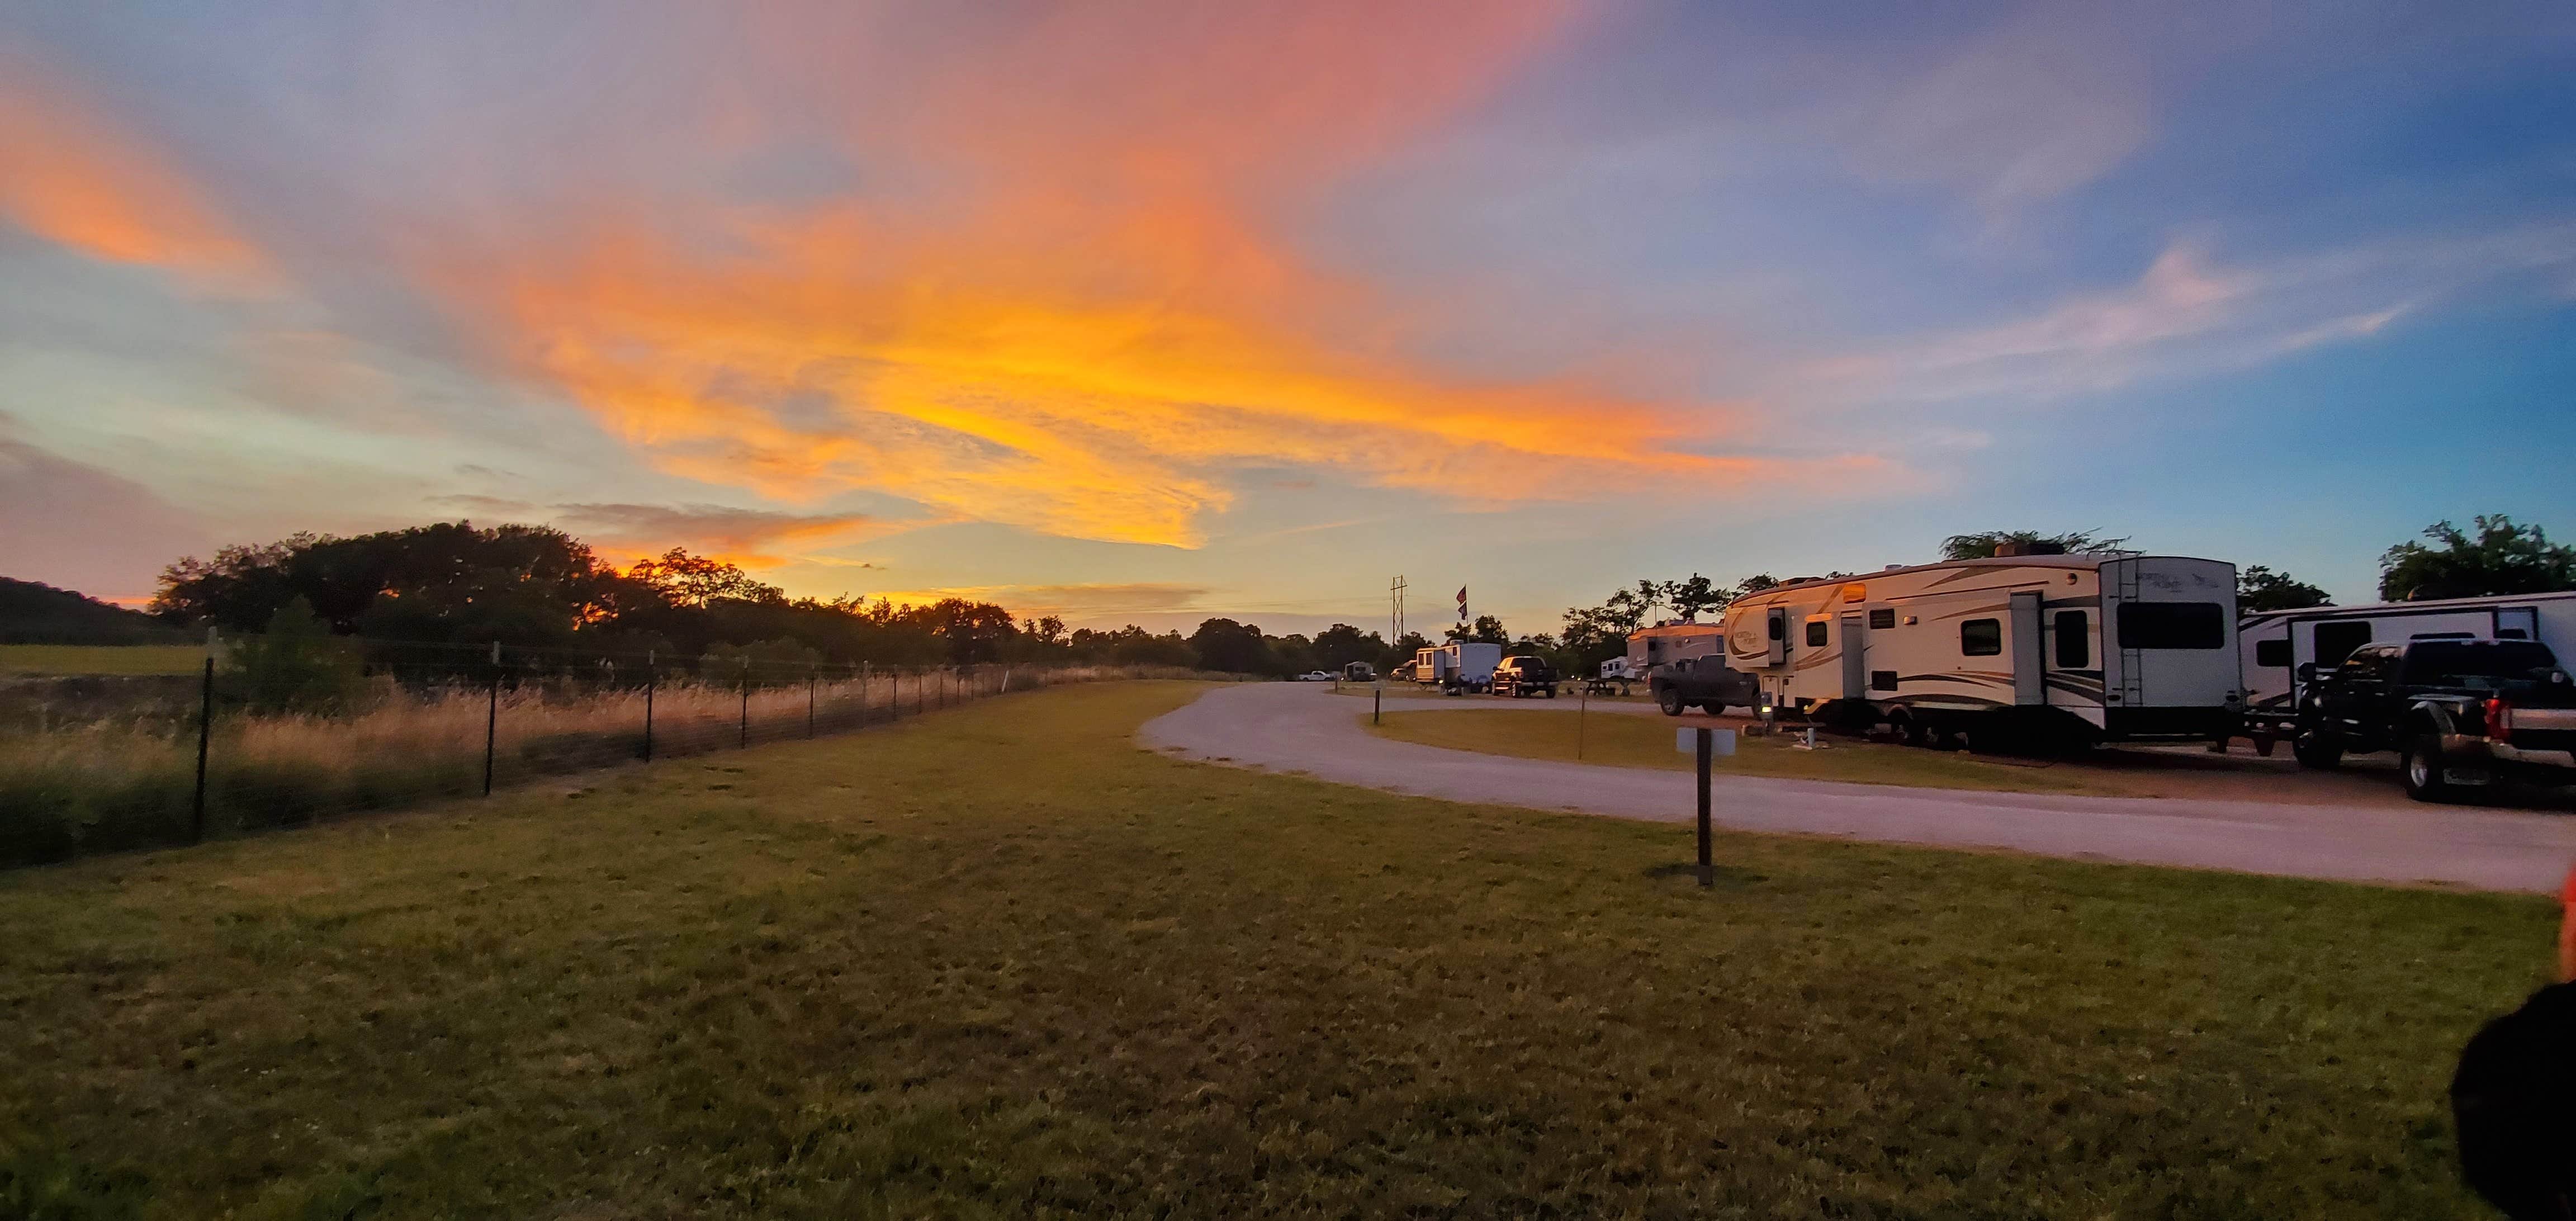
x=1721 y=741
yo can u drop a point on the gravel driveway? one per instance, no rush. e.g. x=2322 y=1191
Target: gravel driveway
x=1293 y=727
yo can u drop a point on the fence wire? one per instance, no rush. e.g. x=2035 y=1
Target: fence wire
x=289 y=739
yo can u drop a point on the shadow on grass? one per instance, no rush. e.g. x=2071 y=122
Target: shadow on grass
x=1722 y=877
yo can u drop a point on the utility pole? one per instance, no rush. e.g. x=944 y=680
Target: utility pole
x=1395 y=601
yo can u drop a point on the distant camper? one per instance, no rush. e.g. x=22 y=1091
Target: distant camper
x=1467 y=664
x=2276 y=643
x=2023 y=647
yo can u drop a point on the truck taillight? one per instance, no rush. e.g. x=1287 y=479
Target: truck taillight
x=2499 y=721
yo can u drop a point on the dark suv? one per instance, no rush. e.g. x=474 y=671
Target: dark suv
x=1519 y=676
x=2458 y=712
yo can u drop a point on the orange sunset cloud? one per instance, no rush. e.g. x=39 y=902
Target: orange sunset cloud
x=71 y=175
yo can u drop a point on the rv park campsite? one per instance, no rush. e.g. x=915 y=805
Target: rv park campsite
x=1003 y=961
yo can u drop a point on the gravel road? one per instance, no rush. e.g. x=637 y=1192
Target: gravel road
x=1293 y=727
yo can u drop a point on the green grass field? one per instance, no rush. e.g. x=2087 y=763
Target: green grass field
x=1000 y=962
x=1629 y=740
x=120 y=659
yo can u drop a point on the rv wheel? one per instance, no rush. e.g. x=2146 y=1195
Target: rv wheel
x=1911 y=731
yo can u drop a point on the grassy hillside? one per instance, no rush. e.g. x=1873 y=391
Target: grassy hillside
x=35 y=613
x=999 y=962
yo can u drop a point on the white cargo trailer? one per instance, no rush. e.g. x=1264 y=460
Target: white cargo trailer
x=2065 y=647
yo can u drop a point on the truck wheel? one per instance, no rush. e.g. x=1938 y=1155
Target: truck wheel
x=1551 y=693
x=1672 y=701
x=2317 y=750
x=2421 y=764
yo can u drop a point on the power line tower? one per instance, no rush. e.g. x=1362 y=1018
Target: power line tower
x=1395 y=599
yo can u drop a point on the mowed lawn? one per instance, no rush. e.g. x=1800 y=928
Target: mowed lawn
x=1630 y=740
x=1000 y=962
x=118 y=659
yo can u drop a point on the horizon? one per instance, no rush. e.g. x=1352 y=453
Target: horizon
x=1154 y=314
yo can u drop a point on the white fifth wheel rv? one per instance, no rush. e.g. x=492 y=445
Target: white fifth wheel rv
x=2276 y=643
x=2026 y=647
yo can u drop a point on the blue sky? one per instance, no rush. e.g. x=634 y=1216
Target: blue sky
x=1154 y=311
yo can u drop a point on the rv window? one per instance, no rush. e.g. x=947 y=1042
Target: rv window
x=1981 y=637
x=2336 y=641
x=1815 y=632
x=2074 y=642
x=1773 y=628
x=2173 y=625
x=2272 y=653
x=1882 y=680
x=2512 y=633
x=1882 y=619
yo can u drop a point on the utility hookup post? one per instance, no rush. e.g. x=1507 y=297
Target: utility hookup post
x=205 y=736
x=1582 y=708
x=1707 y=744
x=492 y=718
x=1377 y=703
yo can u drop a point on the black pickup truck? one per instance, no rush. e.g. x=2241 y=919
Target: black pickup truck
x=2460 y=713
x=1703 y=682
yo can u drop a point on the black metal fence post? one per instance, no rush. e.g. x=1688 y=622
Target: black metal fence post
x=1377 y=705
x=652 y=675
x=205 y=734
x=743 y=735
x=492 y=719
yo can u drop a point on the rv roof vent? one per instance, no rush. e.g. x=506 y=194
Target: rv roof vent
x=2003 y=550
x=1892 y=567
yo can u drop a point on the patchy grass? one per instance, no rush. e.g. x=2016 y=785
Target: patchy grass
x=999 y=962
x=121 y=659
x=1629 y=740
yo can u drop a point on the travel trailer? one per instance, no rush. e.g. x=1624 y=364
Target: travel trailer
x=2275 y=644
x=1459 y=663
x=2022 y=647
x=1666 y=643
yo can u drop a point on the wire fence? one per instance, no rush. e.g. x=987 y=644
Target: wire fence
x=273 y=736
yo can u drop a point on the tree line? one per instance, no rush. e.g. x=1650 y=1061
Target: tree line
x=426 y=596
x=449 y=585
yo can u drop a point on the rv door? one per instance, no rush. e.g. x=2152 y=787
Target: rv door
x=1855 y=663
x=1775 y=626
x=2030 y=681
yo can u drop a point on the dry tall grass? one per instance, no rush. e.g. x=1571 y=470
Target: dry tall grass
x=119 y=784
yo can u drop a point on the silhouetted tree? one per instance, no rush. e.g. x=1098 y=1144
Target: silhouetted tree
x=1982 y=546
x=2501 y=558
x=2261 y=589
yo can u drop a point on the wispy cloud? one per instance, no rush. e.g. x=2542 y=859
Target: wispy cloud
x=758 y=538
x=2191 y=313
x=1088 y=602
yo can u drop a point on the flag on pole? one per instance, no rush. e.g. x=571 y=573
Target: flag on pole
x=1462 y=604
